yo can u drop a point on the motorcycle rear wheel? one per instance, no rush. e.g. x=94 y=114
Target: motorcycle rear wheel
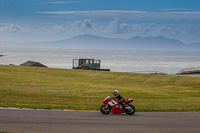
x=130 y=110
x=105 y=110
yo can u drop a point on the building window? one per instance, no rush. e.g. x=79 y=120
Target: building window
x=96 y=61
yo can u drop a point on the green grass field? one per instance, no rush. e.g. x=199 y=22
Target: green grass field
x=48 y=88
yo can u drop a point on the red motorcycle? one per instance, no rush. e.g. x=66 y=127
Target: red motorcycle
x=113 y=106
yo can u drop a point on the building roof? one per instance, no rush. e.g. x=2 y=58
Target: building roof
x=33 y=63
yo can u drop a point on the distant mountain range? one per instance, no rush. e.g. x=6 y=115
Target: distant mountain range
x=158 y=43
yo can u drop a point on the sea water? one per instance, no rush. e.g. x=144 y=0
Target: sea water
x=115 y=60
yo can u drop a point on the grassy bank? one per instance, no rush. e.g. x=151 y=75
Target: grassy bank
x=32 y=87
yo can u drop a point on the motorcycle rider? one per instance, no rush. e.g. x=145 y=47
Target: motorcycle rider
x=121 y=99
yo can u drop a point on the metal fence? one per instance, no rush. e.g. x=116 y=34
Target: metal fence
x=149 y=72
x=190 y=69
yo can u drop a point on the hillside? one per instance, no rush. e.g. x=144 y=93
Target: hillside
x=158 y=43
x=32 y=87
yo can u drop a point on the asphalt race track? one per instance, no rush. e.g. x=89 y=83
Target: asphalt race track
x=56 y=121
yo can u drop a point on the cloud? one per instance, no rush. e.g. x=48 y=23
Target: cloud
x=77 y=26
x=87 y=24
x=114 y=28
x=132 y=14
x=118 y=26
x=58 y=29
x=12 y=28
x=183 y=32
x=70 y=27
x=61 y=2
x=165 y=30
x=98 y=12
x=174 y=9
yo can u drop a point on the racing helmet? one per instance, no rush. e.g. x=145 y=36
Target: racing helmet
x=115 y=93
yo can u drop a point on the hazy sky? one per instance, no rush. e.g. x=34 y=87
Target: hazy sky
x=36 y=20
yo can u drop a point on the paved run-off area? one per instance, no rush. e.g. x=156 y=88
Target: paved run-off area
x=57 y=121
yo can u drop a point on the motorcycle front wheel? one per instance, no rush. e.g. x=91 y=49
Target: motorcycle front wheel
x=105 y=110
x=130 y=110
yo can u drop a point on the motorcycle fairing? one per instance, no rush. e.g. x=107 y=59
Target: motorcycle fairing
x=117 y=109
x=112 y=103
x=128 y=101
